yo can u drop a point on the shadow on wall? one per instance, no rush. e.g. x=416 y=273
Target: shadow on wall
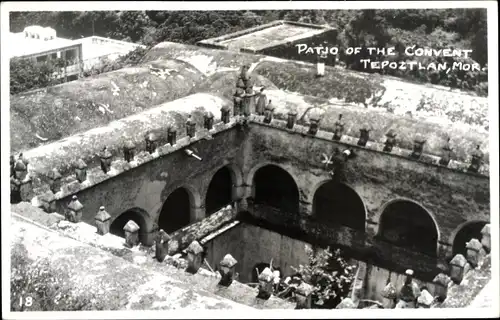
x=275 y=187
x=176 y=211
x=219 y=193
x=406 y=224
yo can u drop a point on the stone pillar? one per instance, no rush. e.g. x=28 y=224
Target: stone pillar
x=486 y=238
x=190 y=127
x=304 y=296
x=194 y=257
x=106 y=158
x=268 y=112
x=458 y=268
x=151 y=142
x=172 y=136
x=81 y=171
x=102 y=221
x=128 y=151
x=161 y=245
x=227 y=270
x=477 y=159
x=131 y=234
x=364 y=136
x=447 y=152
x=338 y=130
x=208 y=120
x=473 y=252
x=225 y=116
x=441 y=282
x=410 y=291
x=418 y=148
x=389 y=296
x=313 y=125
x=55 y=180
x=390 y=142
x=48 y=201
x=265 y=284
x=15 y=186
x=425 y=300
x=197 y=213
x=20 y=168
x=26 y=189
x=305 y=208
x=74 y=210
x=292 y=118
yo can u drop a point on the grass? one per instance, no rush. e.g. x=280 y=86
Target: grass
x=60 y=111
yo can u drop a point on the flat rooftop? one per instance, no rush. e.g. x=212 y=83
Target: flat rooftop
x=22 y=46
x=264 y=36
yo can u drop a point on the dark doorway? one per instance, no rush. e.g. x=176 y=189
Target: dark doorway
x=276 y=188
x=408 y=225
x=219 y=192
x=465 y=234
x=176 y=211
x=116 y=227
x=337 y=204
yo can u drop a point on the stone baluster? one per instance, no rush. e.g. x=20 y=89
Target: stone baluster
x=102 y=221
x=390 y=142
x=268 y=112
x=303 y=295
x=441 y=283
x=106 y=158
x=338 y=129
x=55 y=178
x=151 y=142
x=131 y=234
x=389 y=296
x=75 y=209
x=208 y=120
x=458 y=268
x=292 y=118
x=266 y=278
x=447 y=152
x=227 y=270
x=129 y=150
x=190 y=127
x=161 y=245
x=409 y=293
x=486 y=238
x=313 y=125
x=473 y=252
x=81 y=171
x=172 y=136
x=418 y=147
x=194 y=257
x=477 y=160
x=225 y=114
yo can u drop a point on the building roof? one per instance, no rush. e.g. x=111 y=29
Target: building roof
x=265 y=36
x=23 y=46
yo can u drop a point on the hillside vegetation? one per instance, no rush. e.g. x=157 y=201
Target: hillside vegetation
x=457 y=28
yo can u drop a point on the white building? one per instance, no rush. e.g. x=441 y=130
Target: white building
x=42 y=44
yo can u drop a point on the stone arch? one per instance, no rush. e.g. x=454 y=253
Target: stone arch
x=337 y=203
x=274 y=186
x=222 y=189
x=464 y=233
x=139 y=216
x=178 y=209
x=406 y=223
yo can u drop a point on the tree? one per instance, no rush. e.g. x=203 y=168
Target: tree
x=330 y=275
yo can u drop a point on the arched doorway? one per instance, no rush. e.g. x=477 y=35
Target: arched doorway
x=465 y=234
x=117 y=225
x=176 y=211
x=406 y=224
x=276 y=188
x=335 y=203
x=219 y=192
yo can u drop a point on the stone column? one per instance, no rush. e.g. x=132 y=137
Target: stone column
x=74 y=210
x=410 y=291
x=473 y=252
x=26 y=189
x=194 y=258
x=197 y=213
x=458 y=268
x=389 y=296
x=227 y=270
x=131 y=234
x=161 y=245
x=102 y=221
x=48 y=201
x=81 y=171
x=441 y=282
x=265 y=284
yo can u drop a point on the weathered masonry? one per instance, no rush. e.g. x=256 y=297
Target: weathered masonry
x=178 y=163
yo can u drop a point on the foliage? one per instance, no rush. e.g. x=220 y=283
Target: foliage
x=34 y=288
x=459 y=28
x=330 y=275
x=26 y=75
